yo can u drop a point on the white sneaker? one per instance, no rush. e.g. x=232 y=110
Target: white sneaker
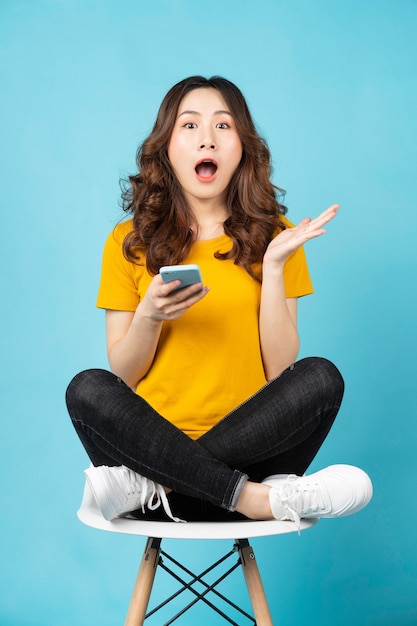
x=335 y=491
x=119 y=491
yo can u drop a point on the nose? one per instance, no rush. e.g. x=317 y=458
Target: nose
x=206 y=139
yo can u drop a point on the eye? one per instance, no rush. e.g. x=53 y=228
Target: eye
x=190 y=125
x=222 y=125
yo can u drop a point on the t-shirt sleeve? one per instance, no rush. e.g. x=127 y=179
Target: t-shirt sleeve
x=118 y=283
x=296 y=275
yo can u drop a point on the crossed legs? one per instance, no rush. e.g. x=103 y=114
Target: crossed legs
x=278 y=430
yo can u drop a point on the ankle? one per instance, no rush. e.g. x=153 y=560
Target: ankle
x=254 y=501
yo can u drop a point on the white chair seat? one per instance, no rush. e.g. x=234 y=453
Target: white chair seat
x=90 y=514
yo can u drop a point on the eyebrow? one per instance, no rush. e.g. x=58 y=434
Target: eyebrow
x=190 y=112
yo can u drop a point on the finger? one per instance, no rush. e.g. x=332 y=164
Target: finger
x=321 y=219
x=325 y=217
x=194 y=297
x=179 y=296
x=330 y=211
x=159 y=289
x=175 y=309
x=166 y=289
x=186 y=292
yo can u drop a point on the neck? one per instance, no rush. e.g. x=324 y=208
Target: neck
x=209 y=217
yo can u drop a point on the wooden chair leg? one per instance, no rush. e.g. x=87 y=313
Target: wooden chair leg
x=143 y=585
x=254 y=584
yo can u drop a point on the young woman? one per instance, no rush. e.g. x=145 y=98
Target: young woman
x=205 y=409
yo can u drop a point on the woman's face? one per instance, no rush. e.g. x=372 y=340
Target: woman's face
x=205 y=148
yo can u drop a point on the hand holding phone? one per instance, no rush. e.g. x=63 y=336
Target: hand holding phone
x=187 y=274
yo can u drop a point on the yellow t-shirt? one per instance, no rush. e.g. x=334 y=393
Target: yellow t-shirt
x=209 y=360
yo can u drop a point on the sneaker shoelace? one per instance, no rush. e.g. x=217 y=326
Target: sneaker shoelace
x=151 y=494
x=299 y=500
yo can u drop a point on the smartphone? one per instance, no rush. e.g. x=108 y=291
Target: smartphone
x=187 y=274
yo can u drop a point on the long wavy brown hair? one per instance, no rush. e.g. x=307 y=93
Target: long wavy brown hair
x=162 y=231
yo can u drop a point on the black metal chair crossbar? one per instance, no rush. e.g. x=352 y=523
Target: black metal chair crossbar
x=196 y=584
x=195 y=579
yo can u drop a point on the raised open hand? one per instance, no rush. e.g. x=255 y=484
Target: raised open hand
x=289 y=240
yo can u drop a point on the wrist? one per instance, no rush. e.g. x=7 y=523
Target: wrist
x=275 y=269
x=143 y=317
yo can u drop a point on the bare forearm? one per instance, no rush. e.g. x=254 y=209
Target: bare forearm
x=131 y=357
x=277 y=325
x=132 y=338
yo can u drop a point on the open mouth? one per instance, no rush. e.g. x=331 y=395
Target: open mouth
x=206 y=170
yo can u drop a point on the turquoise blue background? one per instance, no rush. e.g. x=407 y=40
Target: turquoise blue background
x=332 y=86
